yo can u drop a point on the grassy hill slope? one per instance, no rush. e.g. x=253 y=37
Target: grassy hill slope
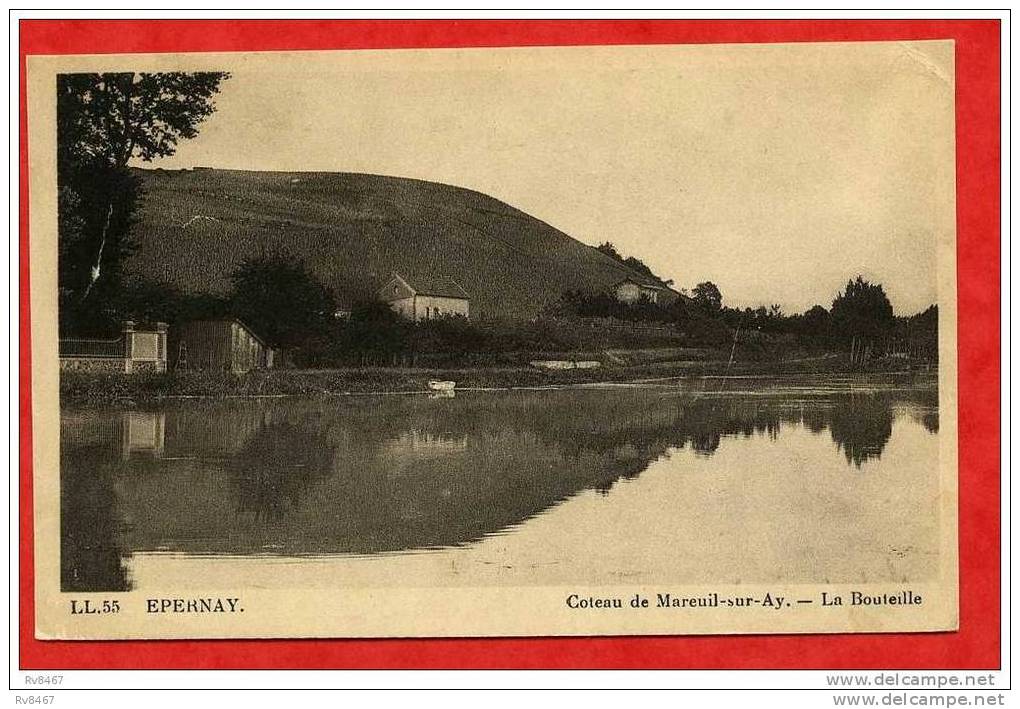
x=353 y=230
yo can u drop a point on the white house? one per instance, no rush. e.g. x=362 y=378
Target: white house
x=631 y=291
x=425 y=298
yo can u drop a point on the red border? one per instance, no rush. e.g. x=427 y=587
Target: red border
x=975 y=646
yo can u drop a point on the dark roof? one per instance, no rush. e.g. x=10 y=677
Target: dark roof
x=642 y=284
x=230 y=320
x=441 y=286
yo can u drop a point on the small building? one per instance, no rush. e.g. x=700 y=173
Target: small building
x=225 y=345
x=425 y=298
x=631 y=291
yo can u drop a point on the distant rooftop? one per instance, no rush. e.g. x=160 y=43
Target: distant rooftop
x=641 y=283
x=440 y=286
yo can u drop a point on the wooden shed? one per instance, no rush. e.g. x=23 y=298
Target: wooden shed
x=226 y=345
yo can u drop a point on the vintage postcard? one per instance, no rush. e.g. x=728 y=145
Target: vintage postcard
x=494 y=342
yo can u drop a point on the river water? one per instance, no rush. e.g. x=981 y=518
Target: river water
x=702 y=481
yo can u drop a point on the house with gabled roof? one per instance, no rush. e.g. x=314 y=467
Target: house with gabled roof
x=631 y=290
x=425 y=297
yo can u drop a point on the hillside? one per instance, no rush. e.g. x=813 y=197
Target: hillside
x=353 y=230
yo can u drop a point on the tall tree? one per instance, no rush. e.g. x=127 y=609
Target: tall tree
x=282 y=300
x=103 y=122
x=862 y=310
x=111 y=118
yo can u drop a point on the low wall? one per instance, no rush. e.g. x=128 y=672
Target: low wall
x=147 y=367
x=93 y=364
x=136 y=351
x=111 y=364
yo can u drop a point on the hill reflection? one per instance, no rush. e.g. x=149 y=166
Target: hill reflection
x=389 y=474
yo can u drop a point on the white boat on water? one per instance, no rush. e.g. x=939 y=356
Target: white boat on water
x=437 y=385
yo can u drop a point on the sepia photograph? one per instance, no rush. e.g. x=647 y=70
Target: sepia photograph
x=526 y=341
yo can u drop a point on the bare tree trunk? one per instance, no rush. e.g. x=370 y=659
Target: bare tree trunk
x=733 y=349
x=95 y=271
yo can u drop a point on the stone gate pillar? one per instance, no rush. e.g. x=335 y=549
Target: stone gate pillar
x=161 y=355
x=128 y=331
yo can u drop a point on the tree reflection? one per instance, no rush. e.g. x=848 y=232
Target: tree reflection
x=705 y=443
x=379 y=474
x=861 y=426
x=929 y=419
x=275 y=469
x=91 y=554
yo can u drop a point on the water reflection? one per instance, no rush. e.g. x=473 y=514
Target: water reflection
x=91 y=523
x=91 y=555
x=277 y=466
x=389 y=474
x=860 y=427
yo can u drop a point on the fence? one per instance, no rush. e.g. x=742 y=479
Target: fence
x=910 y=350
x=82 y=347
x=627 y=326
x=134 y=351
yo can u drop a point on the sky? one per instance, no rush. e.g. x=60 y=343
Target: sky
x=775 y=171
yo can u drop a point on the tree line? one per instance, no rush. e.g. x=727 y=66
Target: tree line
x=283 y=301
x=858 y=318
x=859 y=315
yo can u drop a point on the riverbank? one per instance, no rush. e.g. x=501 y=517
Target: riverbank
x=81 y=388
